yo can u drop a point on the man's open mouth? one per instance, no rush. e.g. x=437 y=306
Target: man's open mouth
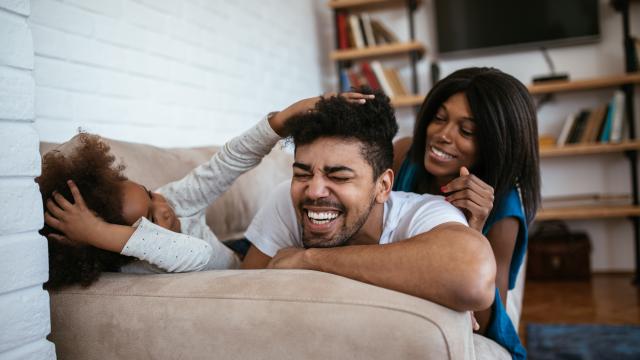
x=321 y=217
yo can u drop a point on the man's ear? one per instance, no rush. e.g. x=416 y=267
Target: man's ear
x=384 y=184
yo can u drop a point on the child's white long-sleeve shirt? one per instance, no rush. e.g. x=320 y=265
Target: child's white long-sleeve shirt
x=197 y=247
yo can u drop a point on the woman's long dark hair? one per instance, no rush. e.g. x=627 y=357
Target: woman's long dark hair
x=507 y=132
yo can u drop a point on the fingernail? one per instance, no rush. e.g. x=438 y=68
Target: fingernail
x=362 y=101
x=443 y=189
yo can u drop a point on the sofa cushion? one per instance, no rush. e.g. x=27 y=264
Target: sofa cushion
x=252 y=314
x=153 y=167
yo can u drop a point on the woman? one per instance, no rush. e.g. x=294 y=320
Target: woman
x=475 y=142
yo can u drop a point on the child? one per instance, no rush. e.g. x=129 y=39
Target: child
x=114 y=224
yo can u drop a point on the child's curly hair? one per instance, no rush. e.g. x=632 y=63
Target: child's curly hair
x=99 y=178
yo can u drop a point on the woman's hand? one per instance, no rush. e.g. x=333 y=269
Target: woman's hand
x=278 y=120
x=76 y=221
x=471 y=195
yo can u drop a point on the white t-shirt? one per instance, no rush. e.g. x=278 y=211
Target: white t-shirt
x=197 y=247
x=406 y=215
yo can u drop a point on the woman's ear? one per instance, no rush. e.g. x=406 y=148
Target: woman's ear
x=384 y=185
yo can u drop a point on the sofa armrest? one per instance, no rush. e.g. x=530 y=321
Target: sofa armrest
x=250 y=314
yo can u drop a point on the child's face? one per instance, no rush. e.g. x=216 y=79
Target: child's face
x=138 y=202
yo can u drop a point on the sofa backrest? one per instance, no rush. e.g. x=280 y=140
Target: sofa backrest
x=230 y=215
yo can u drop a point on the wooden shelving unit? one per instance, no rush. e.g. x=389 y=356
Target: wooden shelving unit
x=377 y=51
x=354 y=4
x=588 y=149
x=409 y=100
x=588 y=212
x=410 y=48
x=585 y=84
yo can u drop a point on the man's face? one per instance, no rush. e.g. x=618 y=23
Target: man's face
x=333 y=191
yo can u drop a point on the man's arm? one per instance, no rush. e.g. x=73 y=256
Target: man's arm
x=255 y=259
x=451 y=265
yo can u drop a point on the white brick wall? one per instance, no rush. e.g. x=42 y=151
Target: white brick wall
x=170 y=73
x=24 y=306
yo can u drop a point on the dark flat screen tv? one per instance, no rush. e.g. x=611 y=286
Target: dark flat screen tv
x=470 y=26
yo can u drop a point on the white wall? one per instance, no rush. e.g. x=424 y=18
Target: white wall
x=24 y=306
x=612 y=240
x=170 y=73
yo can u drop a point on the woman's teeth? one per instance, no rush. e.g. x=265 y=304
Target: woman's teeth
x=321 y=217
x=441 y=154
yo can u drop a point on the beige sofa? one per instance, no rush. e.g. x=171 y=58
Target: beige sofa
x=256 y=314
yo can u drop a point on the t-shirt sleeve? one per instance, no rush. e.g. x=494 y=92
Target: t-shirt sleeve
x=275 y=225
x=198 y=189
x=168 y=250
x=431 y=213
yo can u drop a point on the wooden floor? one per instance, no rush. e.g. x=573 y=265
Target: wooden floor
x=606 y=299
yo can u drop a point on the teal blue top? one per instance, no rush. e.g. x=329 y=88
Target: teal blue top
x=500 y=328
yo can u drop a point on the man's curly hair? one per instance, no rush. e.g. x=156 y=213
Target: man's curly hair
x=99 y=179
x=372 y=123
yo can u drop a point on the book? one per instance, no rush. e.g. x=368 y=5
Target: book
x=344 y=79
x=578 y=127
x=354 y=80
x=343 y=36
x=382 y=79
x=606 y=130
x=566 y=129
x=618 y=106
x=593 y=123
x=354 y=25
x=382 y=34
x=369 y=75
x=394 y=80
x=368 y=29
x=362 y=31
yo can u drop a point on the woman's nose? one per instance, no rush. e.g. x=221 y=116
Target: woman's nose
x=444 y=133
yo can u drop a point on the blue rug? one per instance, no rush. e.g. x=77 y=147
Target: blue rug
x=583 y=342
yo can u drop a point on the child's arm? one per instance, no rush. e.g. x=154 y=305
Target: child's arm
x=202 y=186
x=170 y=251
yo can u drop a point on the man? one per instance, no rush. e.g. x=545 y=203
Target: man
x=339 y=215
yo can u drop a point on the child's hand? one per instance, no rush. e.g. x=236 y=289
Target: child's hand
x=278 y=120
x=76 y=221
x=472 y=195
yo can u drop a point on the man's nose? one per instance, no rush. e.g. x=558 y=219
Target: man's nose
x=317 y=187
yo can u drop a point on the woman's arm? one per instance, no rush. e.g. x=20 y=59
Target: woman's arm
x=502 y=238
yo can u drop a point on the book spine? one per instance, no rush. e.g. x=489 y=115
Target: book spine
x=355 y=30
x=384 y=84
x=343 y=37
x=370 y=76
x=618 y=116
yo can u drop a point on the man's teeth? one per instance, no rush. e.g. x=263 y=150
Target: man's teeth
x=321 y=217
x=441 y=154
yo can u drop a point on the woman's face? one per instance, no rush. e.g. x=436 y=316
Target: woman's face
x=451 y=140
x=138 y=202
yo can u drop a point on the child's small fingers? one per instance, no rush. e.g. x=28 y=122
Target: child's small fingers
x=52 y=221
x=61 y=201
x=54 y=209
x=75 y=192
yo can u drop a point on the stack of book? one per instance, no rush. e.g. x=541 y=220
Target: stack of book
x=375 y=76
x=361 y=31
x=603 y=124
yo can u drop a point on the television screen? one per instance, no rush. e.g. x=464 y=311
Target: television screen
x=470 y=25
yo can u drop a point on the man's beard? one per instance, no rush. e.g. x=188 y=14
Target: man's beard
x=344 y=235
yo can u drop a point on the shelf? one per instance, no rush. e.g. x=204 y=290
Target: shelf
x=588 y=212
x=407 y=100
x=588 y=149
x=350 y=4
x=376 y=51
x=585 y=84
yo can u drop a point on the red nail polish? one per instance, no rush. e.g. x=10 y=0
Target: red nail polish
x=443 y=188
